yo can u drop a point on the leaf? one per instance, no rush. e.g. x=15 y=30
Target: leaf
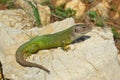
x=36 y=14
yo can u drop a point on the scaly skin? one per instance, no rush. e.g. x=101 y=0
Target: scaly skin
x=48 y=41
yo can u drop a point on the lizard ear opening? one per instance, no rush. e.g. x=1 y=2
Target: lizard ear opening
x=78 y=29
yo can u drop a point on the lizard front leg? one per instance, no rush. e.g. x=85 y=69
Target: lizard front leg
x=64 y=46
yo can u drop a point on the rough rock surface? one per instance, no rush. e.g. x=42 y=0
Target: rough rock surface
x=92 y=59
x=76 y=5
x=15 y=18
x=102 y=8
x=58 y=2
x=44 y=11
x=20 y=20
x=119 y=58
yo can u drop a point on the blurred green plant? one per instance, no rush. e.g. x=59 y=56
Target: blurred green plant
x=4 y=1
x=46 y=2
x=116 y=35
x=59 y=12
x=9 y=3
x=93 y=15
x=36 y=13
x=119 y=12
x=113 y=8
x=99 y=21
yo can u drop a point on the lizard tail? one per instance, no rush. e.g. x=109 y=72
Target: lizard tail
x=20 y=59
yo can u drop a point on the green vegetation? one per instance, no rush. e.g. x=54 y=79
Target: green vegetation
x=59 y=12
x=4 y=1
x=56 y=12
x=46 y=2
x=94 y=17
x=9 y=3
x=113 y=8
x=100 y=21
x=116 y=35
x=36 y=13
x=119 y=12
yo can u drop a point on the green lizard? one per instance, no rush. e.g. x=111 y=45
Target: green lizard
x=59 y=39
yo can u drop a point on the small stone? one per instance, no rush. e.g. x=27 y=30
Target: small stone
x=102 y=8
x=59 y=2
x=44 y=12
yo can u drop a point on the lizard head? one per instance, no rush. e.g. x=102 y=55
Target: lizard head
x=80 y=29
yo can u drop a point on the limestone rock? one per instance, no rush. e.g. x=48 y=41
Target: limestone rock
x=119 y=58
x=76 y=5
x=92 y=59
x=44 y=11
x=15 y=18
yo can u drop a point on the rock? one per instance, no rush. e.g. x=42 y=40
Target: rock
x=44 y=11
x=92 y=59
x=109 y=1
x=16 y=18
x=119 y=58
x=102 y=8
x=58 y=26
x=59 y=2
x=76 y=5
x=40 y=1
x=117 y=14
